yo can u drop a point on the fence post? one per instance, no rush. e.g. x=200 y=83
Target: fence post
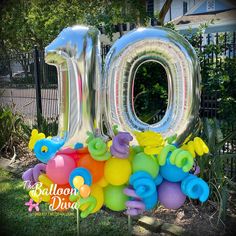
x=37 y=86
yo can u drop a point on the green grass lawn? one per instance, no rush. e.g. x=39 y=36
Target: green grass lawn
x=16 y=220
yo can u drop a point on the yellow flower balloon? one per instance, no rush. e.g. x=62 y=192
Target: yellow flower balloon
x=151 y=141
x=149 y=138
x=197 y=146
x=35 y=136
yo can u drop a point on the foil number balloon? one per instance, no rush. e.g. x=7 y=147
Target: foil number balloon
x=179 y=59
x=76 y=54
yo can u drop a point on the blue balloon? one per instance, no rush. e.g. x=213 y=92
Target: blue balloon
x=195 y=188
x=78 y=146
x=171 y=172
x=145 y=187
x=151 y=201
x=138 y=175
x=83 y=172
x=52 y=146
x=158 y=180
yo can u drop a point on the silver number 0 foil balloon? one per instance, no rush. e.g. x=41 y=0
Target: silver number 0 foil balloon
x=76 y=55
x=178 y=58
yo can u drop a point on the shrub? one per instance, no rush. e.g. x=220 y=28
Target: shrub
x=213 y=164
x=12 y=129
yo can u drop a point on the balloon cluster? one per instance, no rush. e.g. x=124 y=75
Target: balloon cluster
x=116 y=174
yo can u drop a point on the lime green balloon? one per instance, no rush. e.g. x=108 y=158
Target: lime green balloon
x=144 y=162
x=114 y=198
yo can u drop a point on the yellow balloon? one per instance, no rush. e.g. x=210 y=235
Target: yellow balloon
x=97 y=193
x=102 y=182
x=117 y=171
x=43 y=178
x=78 y=181
x=109 y=143
x=40 y=194
x=35 y=136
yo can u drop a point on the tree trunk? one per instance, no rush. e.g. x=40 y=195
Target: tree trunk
x=121 y=31
x=163 y=12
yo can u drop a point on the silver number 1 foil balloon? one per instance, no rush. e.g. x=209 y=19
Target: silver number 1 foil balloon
x=76 y=55
x=178 y=58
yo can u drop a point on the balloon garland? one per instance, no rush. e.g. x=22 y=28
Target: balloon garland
x=119 y=176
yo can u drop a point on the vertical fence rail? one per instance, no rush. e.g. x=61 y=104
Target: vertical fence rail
x=37 y=86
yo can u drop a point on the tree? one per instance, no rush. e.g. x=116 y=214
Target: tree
x=25 y=23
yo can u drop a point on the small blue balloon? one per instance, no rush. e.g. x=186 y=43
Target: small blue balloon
x=145 y=187
x=78 y=146
x=195 y=188
x=83 y=172
x=138 y=175
x=171 y=172
x=151 y=201
x=51 y=147
x=158 y=180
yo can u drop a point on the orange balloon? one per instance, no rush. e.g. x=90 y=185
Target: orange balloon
x=96 y=168
x=59 y=200
x=83 y=150
x=84 y=191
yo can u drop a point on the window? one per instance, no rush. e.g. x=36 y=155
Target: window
x=185 y=7
x=150 y=8
x=210 y=5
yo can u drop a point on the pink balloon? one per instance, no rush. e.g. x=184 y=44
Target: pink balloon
x=170 y=195
x=59 y=168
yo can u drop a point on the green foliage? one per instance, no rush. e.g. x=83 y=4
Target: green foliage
x=26 y=23
x=48 y=126
x=217 y=70
x=12 y=129
x=150 y=91
x=213 y=164
x=220 y=78
x=109 y=13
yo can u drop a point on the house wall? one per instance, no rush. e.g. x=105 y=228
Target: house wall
x=176 y=10
x=212 y=6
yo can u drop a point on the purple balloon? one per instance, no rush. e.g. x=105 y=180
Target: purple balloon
x=120 y=145
x=170 y=195
x=28 y=177
x=134 y=206
x=38 y=170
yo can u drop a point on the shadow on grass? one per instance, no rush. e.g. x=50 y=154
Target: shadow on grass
x=16 y=220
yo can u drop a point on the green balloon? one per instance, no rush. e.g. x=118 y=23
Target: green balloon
x=114 y=198
x=144 y=162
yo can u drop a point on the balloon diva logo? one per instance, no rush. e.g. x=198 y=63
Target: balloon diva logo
x=59 y=199
x=103 y=154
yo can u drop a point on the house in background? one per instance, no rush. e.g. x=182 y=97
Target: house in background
x=221 y=13
x=186 y=14
x=177 y=8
